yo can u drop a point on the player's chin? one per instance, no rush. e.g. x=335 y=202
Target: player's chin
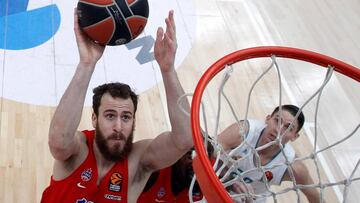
x=117 y=153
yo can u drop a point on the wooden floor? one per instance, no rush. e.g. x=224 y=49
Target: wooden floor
x=326 y=26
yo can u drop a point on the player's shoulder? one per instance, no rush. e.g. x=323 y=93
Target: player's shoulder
x=255 y=123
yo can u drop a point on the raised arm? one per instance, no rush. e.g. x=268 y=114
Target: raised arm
x=303 y=177
x=169 y=146
x=62 y=140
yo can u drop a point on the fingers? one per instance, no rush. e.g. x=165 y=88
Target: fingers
x=171 y=18
x=162 y=37
x=170 y=33
x=77 y=29
x=242 y=188
x=76 y=20
x=159 y=36
x=166 y=40
x=158 y=42
x=170 y=25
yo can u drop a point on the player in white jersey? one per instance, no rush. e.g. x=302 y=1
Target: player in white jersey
x=272 y=159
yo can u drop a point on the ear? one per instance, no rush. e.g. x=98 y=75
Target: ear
x=295 y=137
x=268 y=117
x=93 y=119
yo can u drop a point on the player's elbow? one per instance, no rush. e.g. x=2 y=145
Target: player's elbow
x=59 y=153
x=59 y=148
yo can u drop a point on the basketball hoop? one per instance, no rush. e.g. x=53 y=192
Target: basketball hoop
x=212 y=188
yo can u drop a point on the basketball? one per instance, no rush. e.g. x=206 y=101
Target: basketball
x=113 y=22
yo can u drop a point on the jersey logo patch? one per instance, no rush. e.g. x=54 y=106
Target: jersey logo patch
x=86 y=175
x=247 y=180
x=115 y=182
x=83 y=200
x=112 y=197
x=80 y=185
x=269 y=175
x=161 y=193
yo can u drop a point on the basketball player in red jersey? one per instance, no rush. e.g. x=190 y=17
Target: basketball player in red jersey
x=171 y=184
x=104 y=165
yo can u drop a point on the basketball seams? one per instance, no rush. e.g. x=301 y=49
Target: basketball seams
x=131 y=3
x=134 y=32
x=117 y=6
x=137 y=16
x=112 y=17
x=95 y=24
x=129 y=8
x=96 y=5
x=123 y=17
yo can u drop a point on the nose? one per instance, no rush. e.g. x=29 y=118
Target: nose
x=281 y=129
x=278 y=130
x=117 y=125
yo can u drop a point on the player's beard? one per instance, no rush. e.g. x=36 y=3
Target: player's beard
x=115 y=153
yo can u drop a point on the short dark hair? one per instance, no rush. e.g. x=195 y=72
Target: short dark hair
x=116 y=90
x=293 y=110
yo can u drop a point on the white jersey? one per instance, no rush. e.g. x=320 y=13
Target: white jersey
x=274 y=169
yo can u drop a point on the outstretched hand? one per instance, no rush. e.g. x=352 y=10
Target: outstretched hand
x=243 y=188
x=166 y=44
x=89 y=51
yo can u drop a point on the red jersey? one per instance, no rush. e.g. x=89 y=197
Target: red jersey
x=81 y=186
x=161 y=191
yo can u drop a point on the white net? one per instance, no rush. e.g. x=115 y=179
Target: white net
x=326 y=147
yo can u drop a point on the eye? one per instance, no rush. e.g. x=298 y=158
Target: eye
x=276 y=119
x=126 y=117
x=109 y=116
x=291 y=128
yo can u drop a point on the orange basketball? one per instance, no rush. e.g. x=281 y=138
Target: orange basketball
x=113 y=22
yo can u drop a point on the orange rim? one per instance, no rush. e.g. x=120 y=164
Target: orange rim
x=210 y=185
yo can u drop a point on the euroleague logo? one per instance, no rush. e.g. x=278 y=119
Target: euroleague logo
x=115 y=182
x=39 y=72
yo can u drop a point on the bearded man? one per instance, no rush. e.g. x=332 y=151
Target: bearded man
x=104 y=165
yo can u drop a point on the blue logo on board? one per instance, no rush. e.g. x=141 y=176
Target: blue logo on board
x=21 y=29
